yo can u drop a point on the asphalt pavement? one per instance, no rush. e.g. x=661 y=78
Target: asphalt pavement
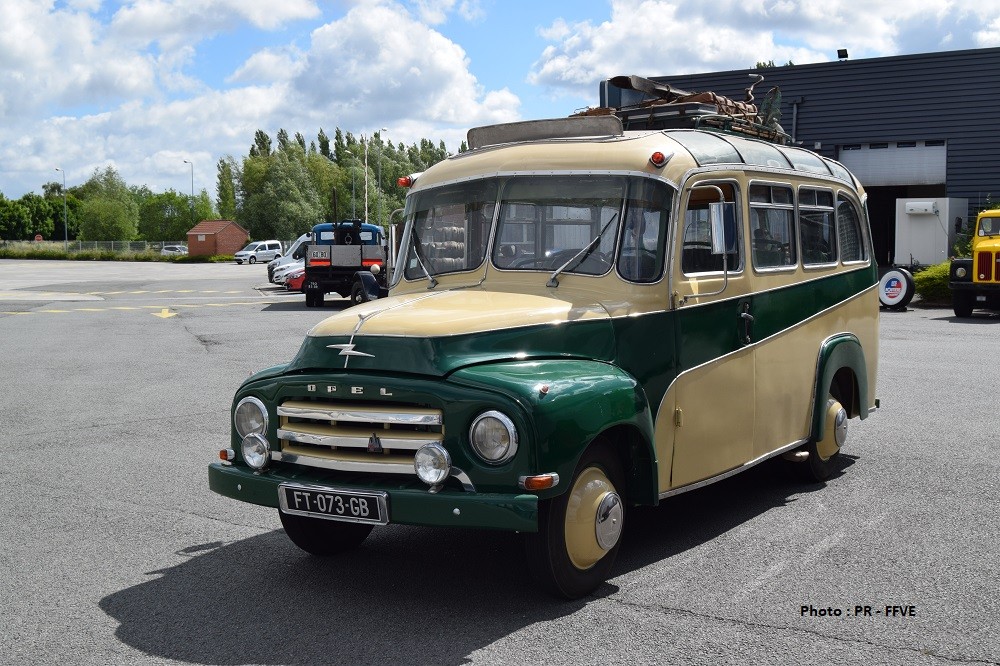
x=118 y=380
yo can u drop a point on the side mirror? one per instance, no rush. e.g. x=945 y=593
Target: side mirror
x=717 y=219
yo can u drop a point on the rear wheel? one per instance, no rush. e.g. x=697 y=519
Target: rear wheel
x=962 y=303
x=314 y=298
x=579 y=532
x=318 y=536
x=823 y=452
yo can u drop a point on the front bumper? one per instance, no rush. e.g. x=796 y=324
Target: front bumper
x=407 y=506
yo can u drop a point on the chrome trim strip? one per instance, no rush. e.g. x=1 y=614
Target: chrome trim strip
x=358 y=442
x=343 y=465
x=463 y=478
x=361 y=415
x=736 y=470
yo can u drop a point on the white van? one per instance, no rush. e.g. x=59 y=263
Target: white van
x=259 y=251
x=289 y=256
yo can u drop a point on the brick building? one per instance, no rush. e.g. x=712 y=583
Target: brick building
x=210 y=237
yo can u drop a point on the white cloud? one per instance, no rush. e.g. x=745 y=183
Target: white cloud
x=390 y=67
x=989 y=36
x=660 y=37
x=75 y=94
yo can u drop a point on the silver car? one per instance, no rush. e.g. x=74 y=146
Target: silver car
x=259 y=251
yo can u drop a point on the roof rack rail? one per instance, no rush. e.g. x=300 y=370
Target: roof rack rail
x=536 y=130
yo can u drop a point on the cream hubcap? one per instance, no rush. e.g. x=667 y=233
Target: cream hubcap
x=594 y=518
x=835 y=432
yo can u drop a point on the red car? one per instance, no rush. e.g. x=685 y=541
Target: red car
x=295 y=280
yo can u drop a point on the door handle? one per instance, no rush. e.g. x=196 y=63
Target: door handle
x=747 y=323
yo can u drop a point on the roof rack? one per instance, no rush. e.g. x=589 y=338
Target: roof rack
x=670 y=108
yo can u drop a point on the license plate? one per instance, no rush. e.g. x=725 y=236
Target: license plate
x=313 y=285
x=333 y=504
x=980 y=298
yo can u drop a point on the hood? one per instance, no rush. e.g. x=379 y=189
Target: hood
x=438 y=332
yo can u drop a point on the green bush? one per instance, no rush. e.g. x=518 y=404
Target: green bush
x=932 y=283
x=28 y=252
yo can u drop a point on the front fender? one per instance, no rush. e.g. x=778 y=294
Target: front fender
x=569 y=403
x=836 y=353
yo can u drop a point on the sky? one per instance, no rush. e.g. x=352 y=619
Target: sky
x=143 y=85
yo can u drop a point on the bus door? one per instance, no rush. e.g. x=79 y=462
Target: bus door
x=714 y=391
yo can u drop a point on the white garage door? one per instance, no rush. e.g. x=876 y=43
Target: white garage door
x=897 y=163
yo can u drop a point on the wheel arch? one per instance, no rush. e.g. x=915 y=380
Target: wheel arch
x=841 y=372
x=635 y=452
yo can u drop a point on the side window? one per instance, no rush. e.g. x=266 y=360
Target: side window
x=852 y=246
x=772 y=224
x=642 y=249
x=696 y=241
x=816 y=227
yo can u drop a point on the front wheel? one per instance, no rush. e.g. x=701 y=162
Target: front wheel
x=358 y=294
x=318 y=536
x=252 y=259
x=823 y=452
x=579 y=532
x=962 y=303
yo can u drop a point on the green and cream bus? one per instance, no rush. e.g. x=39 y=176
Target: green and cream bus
x=581 y=319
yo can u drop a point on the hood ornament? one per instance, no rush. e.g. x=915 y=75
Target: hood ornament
x=347 y=350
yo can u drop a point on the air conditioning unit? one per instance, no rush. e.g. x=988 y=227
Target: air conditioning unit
x=921 y=208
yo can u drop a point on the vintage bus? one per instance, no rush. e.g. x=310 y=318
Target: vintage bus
x=582 y=319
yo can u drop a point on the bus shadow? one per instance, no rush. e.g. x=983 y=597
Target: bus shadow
x=407 y=596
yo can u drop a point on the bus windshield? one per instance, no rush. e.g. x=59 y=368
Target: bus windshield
x=567 y=223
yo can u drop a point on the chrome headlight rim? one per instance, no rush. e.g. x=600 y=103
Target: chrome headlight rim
x=256 y=460
x=961 y=272
x=508 y=425
x=250 y=400
x=437 y=453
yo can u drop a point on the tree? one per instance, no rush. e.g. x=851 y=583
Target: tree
x=106 y=219
x=277 y=195
x=226 y=190
x=41 y=213
x=109 y=210
x=770 y=63
x=15 y=220
x=164 y=217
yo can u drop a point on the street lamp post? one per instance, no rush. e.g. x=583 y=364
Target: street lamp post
x=365 y=141
x=378 y=177
x=65 y=227
x=192 y=191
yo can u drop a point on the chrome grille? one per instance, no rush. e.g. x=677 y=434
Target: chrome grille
x=355 y=438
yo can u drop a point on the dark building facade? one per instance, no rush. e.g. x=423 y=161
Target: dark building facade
x=912 y=126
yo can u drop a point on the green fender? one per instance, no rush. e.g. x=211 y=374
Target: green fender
x=836 y=353
x=568 y=403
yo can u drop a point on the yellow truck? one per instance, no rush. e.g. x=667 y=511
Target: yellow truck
x=975 y=281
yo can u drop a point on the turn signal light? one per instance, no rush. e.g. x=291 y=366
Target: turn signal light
x=226 y=455
x=540 y=481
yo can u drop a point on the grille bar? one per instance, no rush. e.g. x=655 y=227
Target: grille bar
x=369 y=414
x=355 y=438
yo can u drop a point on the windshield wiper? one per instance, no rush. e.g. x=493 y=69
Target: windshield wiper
x=416 y=253
x=553 y=282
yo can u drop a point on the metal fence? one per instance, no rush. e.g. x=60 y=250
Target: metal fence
x=123 y=247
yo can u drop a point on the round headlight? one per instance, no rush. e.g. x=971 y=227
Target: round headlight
x=432 y=463
x=250 y=417
x=493 y=437
x=256 y=450
x=960 y=272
